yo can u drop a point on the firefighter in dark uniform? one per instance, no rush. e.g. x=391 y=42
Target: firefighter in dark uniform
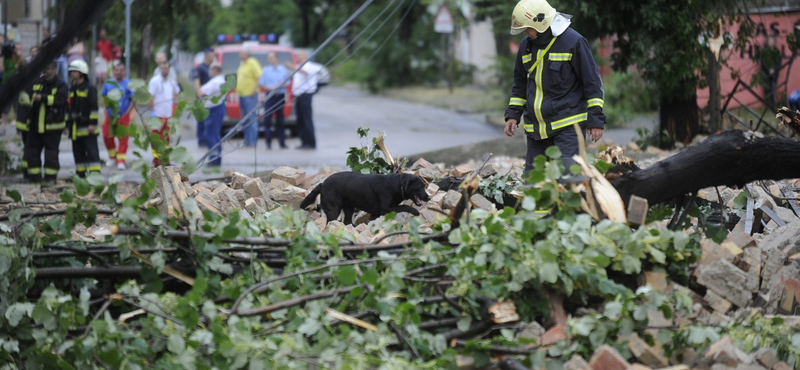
x=82 y=119
x=556 y=83
x=46 y=121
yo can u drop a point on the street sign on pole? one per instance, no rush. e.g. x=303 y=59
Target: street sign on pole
x=444 y=23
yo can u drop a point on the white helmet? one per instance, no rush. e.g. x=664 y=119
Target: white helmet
x=80 y=66
x=536 y=14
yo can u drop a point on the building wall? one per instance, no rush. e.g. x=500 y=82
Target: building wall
x=778 y=24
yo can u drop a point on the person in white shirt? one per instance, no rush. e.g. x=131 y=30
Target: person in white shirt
x=163 y=93
x=304 y=85
x=214 y=101
x=161 y=57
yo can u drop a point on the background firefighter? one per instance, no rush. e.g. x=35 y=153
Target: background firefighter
x=82 y=121
x=48 y=106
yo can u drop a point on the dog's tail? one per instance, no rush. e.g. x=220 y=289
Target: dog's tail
x=311 y=198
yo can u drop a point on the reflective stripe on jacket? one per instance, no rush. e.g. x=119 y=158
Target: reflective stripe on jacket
x=556 y=84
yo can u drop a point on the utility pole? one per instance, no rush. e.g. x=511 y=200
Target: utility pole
x=5 y=20
x=127 y=37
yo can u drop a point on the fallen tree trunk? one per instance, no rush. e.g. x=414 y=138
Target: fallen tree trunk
x=731 y=158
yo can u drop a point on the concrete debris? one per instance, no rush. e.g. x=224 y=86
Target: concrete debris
x=608 y=358
x=648 y=355
x=451 y=199
x=291 y=175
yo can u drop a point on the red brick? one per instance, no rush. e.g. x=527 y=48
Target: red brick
x=608 y=358
x=555 y=334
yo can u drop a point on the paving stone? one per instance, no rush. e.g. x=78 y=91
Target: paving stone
x=432 y=189
x=420 y=163
x=787 y=237
x=752 y=256
x=712 y=252
x=741 y=240
x=255 y=188
x=311 y=182
x=289 y=195
x=726 y=280
x=716 y=302
x=645 y=353
x=253 y=207
x=205 y=201
x=576 y=362
x=489 y=170
x=683 y=356
x=291 y=175
x=781 y=366
x=656 y=319
x=772 y=266
x=554 y=335
x=428 y=174
x=438 y=199
x=238 y=180
x=656 y=279
x=640 y=367
x=461 y=170
x=451 y=199
x=608 y=358
x=726 y=353
x=532 y=331
x=766 y=357
x=431 y=216
x=479 y=201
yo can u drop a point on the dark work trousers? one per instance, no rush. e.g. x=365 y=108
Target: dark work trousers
x=565 y=139
x=87 y=154
x=33 y=150
x=25 y=174
x=305 y=122
x=274 y=104
x=213 y=127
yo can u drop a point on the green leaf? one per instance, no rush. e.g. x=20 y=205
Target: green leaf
x=553 y=152
x=370 y=276
x=602 y=166
x=95 y=179
x=309 y=327
x=464 y=323
x=176 y=344
x=67 y=196
x=17 y=311
x=14 y=195
x=81 y=186
x=347 y=275
x=548 y=272
x=141 y=95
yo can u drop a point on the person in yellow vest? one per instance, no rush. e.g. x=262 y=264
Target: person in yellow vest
x=46 y=120
x=22 y=128
x=247 y=89
x=82 y=122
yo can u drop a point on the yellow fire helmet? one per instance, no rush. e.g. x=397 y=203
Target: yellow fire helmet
x=536 y=14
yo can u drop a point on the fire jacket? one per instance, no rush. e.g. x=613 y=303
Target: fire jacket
x=82 y=110
x=556 y=84
x=49 y=113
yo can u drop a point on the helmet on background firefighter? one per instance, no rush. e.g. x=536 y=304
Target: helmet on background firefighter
x=80 y=66
x=536 y=14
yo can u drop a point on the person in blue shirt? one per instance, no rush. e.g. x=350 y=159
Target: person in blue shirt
x=272 y=77
x=121 y=115
x=200 y=75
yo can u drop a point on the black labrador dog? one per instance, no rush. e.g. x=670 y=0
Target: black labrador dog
x=374 y=194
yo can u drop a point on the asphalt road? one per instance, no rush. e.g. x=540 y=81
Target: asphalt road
x=410 y=129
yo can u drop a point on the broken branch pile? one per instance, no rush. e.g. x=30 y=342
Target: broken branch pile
x=228 y=274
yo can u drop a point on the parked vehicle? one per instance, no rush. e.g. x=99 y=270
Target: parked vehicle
x=228 y=57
